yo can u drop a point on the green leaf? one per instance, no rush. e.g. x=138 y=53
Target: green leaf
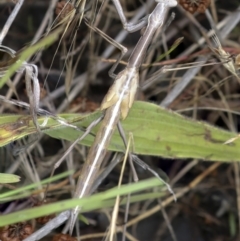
x=156 y=131
x=13 y=127
x=161 y=132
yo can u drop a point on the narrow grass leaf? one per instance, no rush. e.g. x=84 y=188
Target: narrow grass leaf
x=9 y=178
x=86 y=203
x=34 y=185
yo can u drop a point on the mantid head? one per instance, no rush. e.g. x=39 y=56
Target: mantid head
x=169 y=3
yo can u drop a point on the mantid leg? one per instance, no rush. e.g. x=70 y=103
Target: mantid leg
x=142 y=164
x=114 y=43
x=87 y=131
x=116 y=159
x=130 y=27
x=122 y=134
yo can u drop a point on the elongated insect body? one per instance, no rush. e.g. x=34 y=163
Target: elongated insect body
x=119 y=99
x=117 y=103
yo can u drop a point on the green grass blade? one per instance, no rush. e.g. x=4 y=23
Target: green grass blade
x=8 y=178
x=34 y=185
x=28 y=52
x=87 y=203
